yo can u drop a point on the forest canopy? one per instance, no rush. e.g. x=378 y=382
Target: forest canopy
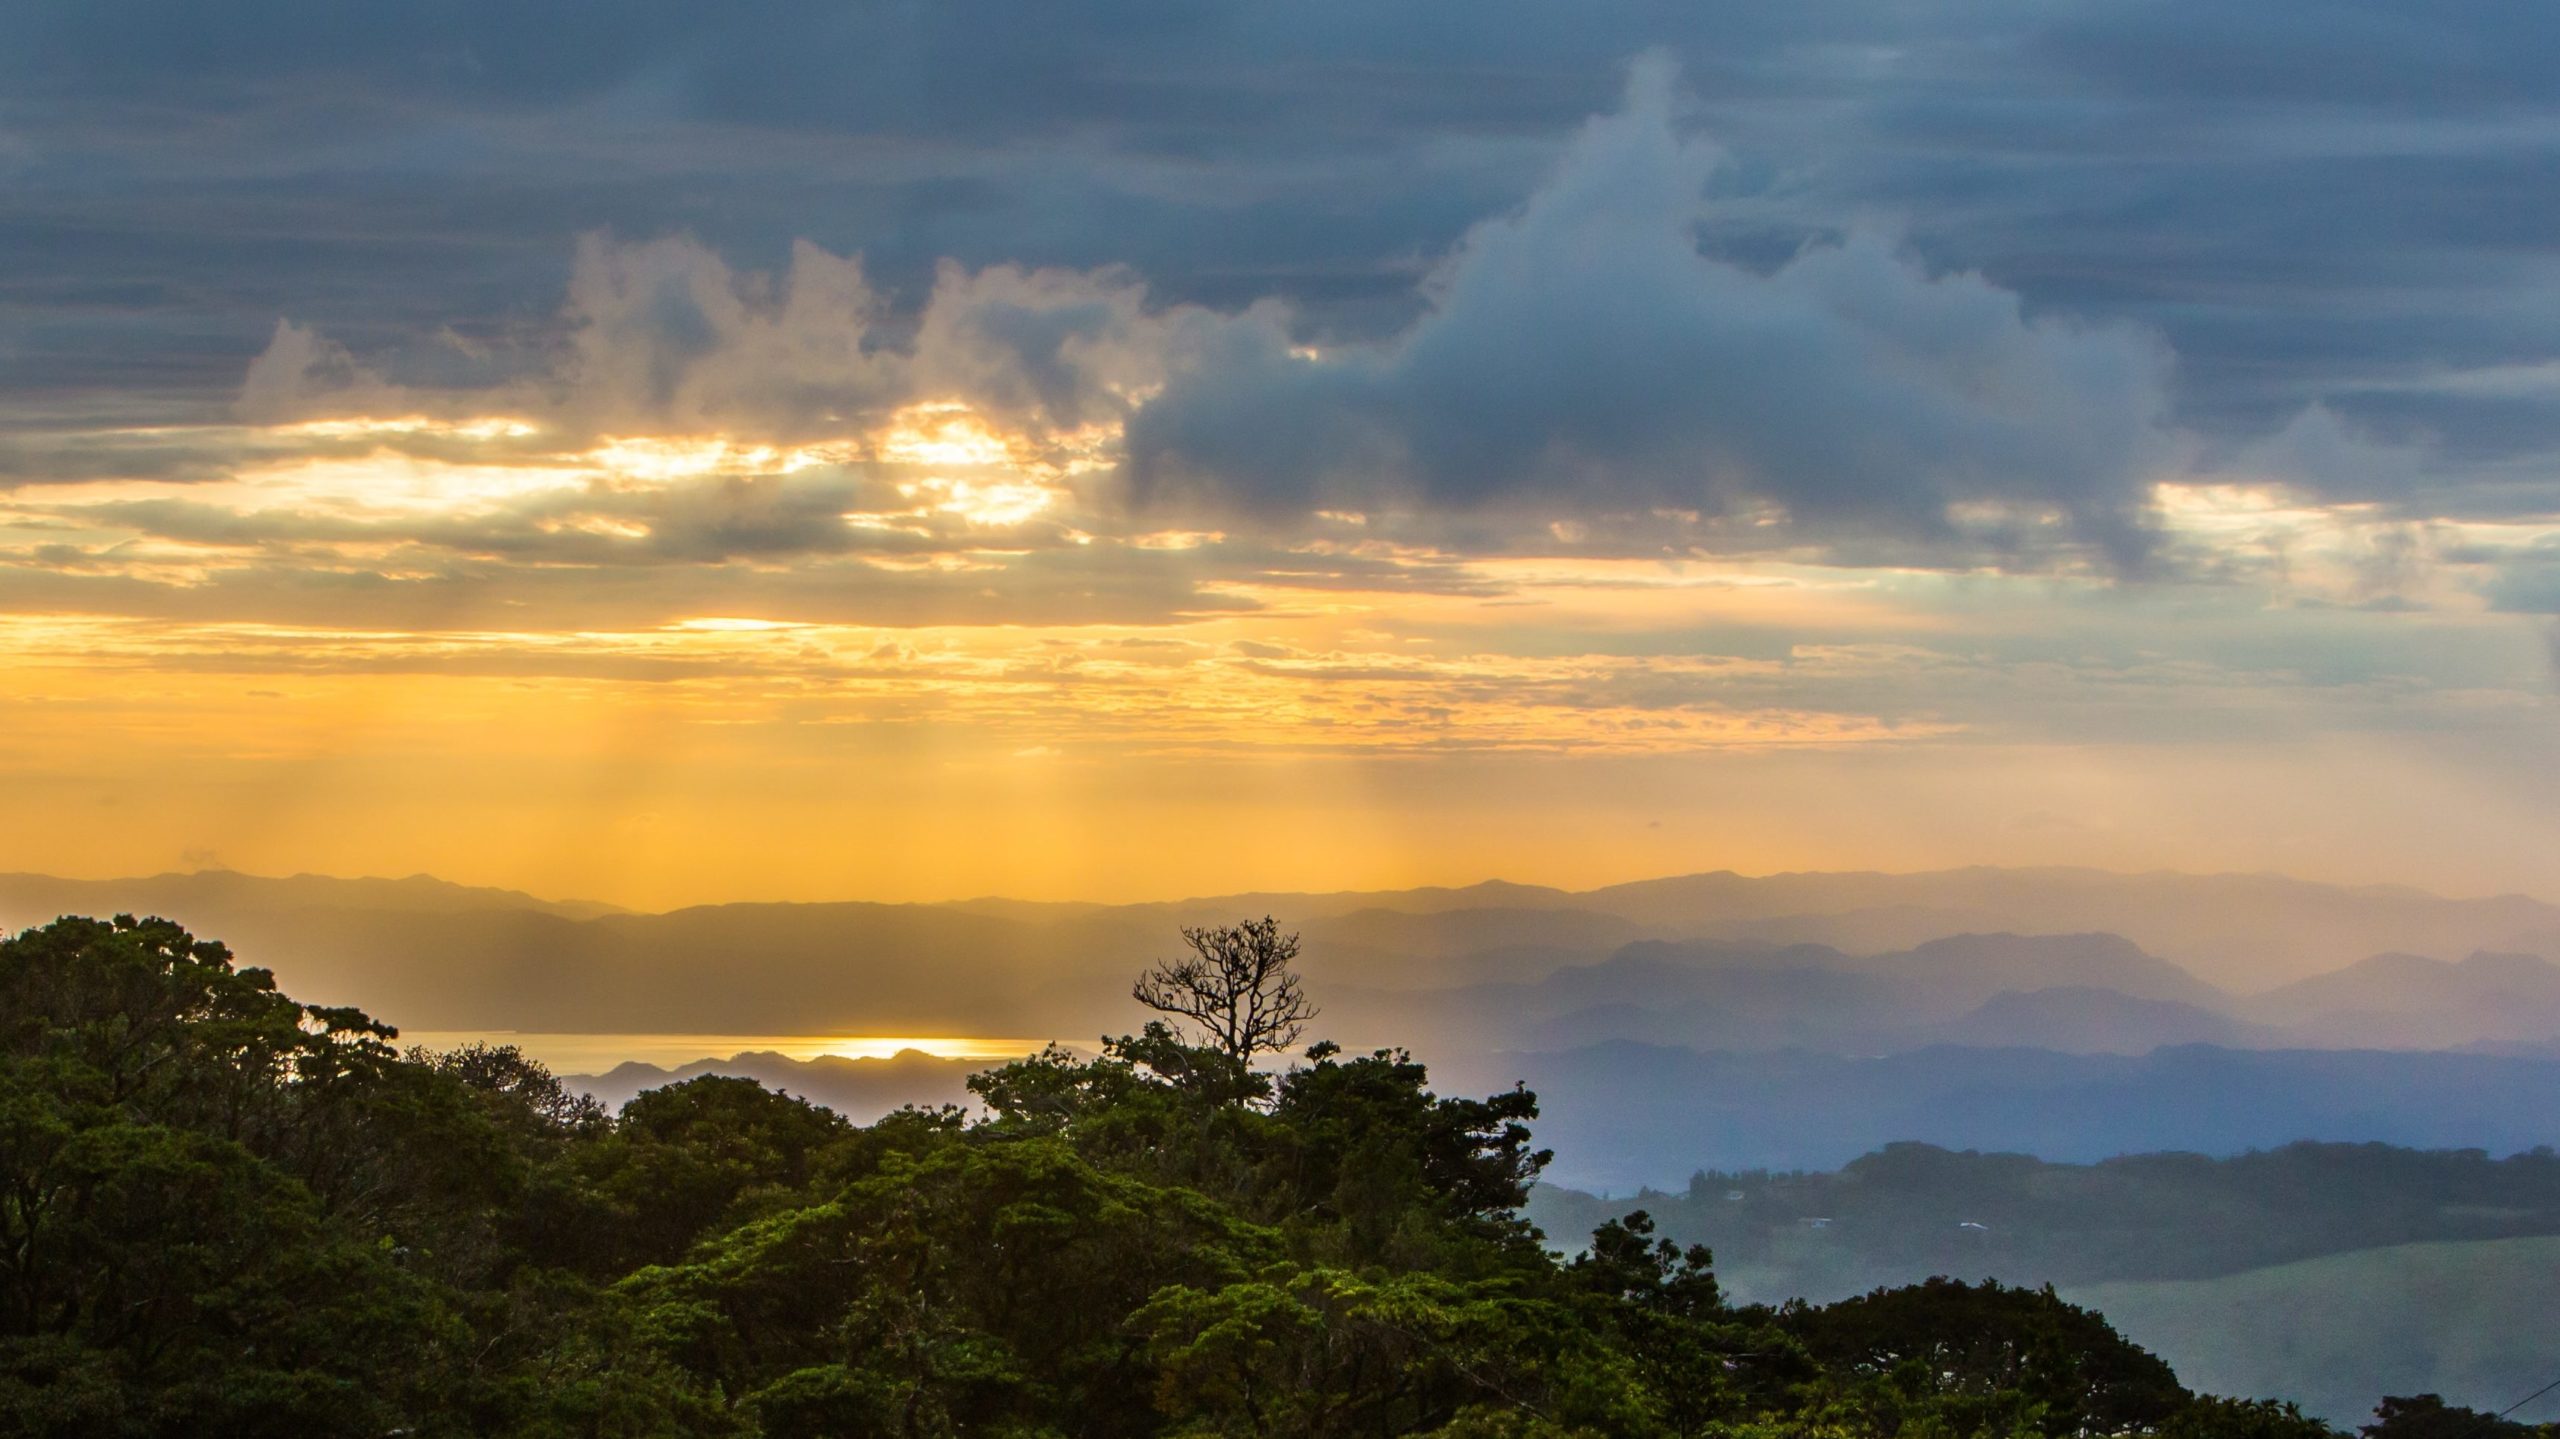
x=1911 y=1210
x=223 y=1212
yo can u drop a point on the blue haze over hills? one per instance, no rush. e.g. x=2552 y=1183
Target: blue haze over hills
x=1763 y=1030
x=1711 y=1020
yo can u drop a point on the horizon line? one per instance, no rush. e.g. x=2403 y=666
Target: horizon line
x=1496 y=882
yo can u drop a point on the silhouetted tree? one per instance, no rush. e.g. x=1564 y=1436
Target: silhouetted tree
x=518 y=1086
x=2427 y=1416
x=2211 y=1418
x=224 y=1213
x=2011 y=1358
x=1235 y=991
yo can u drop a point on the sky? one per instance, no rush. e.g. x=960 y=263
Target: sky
x=671 y=453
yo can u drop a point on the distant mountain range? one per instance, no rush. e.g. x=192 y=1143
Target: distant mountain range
x=2077 y=993
x=442 y=956
x=1627 y=1115
x=2411 y=1001
x=1709 y=1020
x=1623 y=1115
x=1720 y=994
x=861 y=1090
x=30 y=898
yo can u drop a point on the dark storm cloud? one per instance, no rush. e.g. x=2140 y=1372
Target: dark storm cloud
x=2325 y=202
x=2352 y=52
x=1585 y=351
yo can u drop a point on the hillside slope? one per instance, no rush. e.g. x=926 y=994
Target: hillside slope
x=1624 y=1115
x=2470 y=1321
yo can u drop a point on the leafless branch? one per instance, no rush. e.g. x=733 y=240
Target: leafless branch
x=1235 y=991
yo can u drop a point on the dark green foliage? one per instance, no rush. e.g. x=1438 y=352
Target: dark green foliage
x=2210 y=1418
x=1234 y=994
x=222 y=1213
x=2427 y=1416
x=1998 y=1357
x=1912 y=1210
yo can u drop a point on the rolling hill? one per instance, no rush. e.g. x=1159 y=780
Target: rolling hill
x=2411 y=1001
x=1626 y=1115
x=2233 y=932
x=2470 y=1321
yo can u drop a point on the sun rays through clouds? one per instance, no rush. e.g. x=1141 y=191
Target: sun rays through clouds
x=1600 y=496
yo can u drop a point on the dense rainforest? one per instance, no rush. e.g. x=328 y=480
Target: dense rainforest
x=225 y=1213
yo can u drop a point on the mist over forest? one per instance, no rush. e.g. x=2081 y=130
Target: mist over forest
x=1358 y=719
x=1793 y=1073
x=1712 y=1021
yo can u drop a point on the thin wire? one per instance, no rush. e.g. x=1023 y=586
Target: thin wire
x=2529 y=1398
x=2489 y=1422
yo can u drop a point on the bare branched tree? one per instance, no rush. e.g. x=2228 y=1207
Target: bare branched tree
x=1234 y=991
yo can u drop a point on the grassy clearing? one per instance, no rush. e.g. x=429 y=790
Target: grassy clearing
x=2471 y=1320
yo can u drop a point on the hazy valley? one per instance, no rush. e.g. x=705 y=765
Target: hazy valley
x=1740 y=1030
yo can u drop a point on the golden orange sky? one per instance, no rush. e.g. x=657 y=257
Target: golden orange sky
x=1620 y=560
x=390 y=643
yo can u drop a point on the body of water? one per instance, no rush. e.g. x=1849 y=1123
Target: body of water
x=596 y=1053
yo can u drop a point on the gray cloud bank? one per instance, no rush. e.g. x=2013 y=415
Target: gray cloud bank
x=2339 y=199
x=1922 y=306
x=1583 y=351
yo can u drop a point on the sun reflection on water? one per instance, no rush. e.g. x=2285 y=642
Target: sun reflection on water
x=596 y=1053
